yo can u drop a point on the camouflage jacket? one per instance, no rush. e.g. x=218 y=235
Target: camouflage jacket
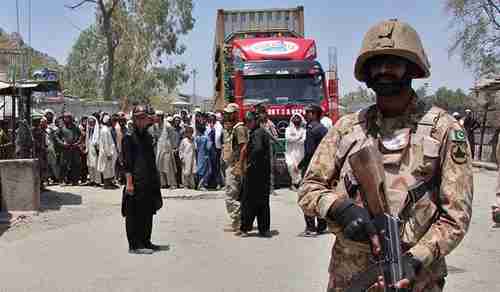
x=416 y=146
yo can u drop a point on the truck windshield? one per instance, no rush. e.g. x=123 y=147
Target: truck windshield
x=283 y=89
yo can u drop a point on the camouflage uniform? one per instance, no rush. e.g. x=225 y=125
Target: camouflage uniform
x=5 y=145
x=24 y=141
x=417 y=147
x=40 y=151
x=233 y=138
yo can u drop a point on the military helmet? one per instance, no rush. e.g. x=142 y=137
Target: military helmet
x=392 y=37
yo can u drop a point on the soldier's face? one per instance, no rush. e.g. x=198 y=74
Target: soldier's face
x=387 y=69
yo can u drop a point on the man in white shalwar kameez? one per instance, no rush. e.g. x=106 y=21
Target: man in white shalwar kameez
x=92 y=148
x=187 y=154
x=295 y=136
x=165 y=159
x=107 y=154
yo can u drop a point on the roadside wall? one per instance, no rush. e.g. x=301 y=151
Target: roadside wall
x=80 y=108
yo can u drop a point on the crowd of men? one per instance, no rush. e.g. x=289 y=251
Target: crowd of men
x=88 y=151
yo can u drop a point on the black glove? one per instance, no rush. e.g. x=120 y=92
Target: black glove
x=354 y=219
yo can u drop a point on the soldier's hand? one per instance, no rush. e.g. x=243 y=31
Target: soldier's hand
x=356 y=223
x=380 y=285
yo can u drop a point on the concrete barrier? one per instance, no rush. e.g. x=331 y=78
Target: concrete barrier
x=20 y=180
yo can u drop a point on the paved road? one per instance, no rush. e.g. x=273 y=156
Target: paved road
x=78 y=244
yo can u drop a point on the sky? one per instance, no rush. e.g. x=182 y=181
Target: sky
x=339 y=24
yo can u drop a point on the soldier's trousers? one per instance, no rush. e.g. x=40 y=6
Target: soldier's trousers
x=233 y=188
x=139 y=228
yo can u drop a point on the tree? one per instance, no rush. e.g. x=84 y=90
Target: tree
x=84 y=64
x=357 y=99
x=138 y=34
x=450 y=100
x=477 y=33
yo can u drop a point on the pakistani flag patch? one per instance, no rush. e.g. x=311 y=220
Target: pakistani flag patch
x=458 y=136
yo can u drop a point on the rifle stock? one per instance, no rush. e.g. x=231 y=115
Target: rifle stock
x=368 y=169
x=367 y=166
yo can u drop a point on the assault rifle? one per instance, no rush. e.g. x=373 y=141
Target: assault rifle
x=367 y=166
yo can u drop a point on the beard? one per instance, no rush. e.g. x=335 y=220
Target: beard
x=388 y=84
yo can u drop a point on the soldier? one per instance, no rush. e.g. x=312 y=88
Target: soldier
x=53 y=148
x=40 y=146
x=425 y=148
x=235 y=141
x=24 y=141
x=5 y=144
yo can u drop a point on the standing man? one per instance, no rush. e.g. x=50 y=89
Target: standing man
x=92 y=148
x=53 y=148
x=5 y=144
x=219 y=130
x=177 y=135
x=256 y=181
x=470 y=124
x=495 y=209
x=315 y=131
x=142 y=195
x=68 y=136
x=235 y=142
x=39 y=123
x=24 y=140
x=295 y=136
x=424 y=148
x=108 y=154
x=270 y=128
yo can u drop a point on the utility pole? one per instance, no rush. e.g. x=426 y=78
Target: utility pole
x=194 y=72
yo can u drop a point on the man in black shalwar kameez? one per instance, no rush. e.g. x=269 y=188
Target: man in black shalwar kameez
x=256 y=181
x=142 y=195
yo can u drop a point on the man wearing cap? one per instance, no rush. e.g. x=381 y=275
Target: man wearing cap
x=315 y=131
x=427 y=167
x=235 y=142
x=68 y=136
x=142 y=195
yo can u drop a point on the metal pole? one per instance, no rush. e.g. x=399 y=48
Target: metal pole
x=194 y=72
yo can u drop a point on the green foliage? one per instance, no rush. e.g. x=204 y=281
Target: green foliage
x=357 y=99
x=449 y=99
x=84 y=65
x=143 y=34
x=477 y=33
